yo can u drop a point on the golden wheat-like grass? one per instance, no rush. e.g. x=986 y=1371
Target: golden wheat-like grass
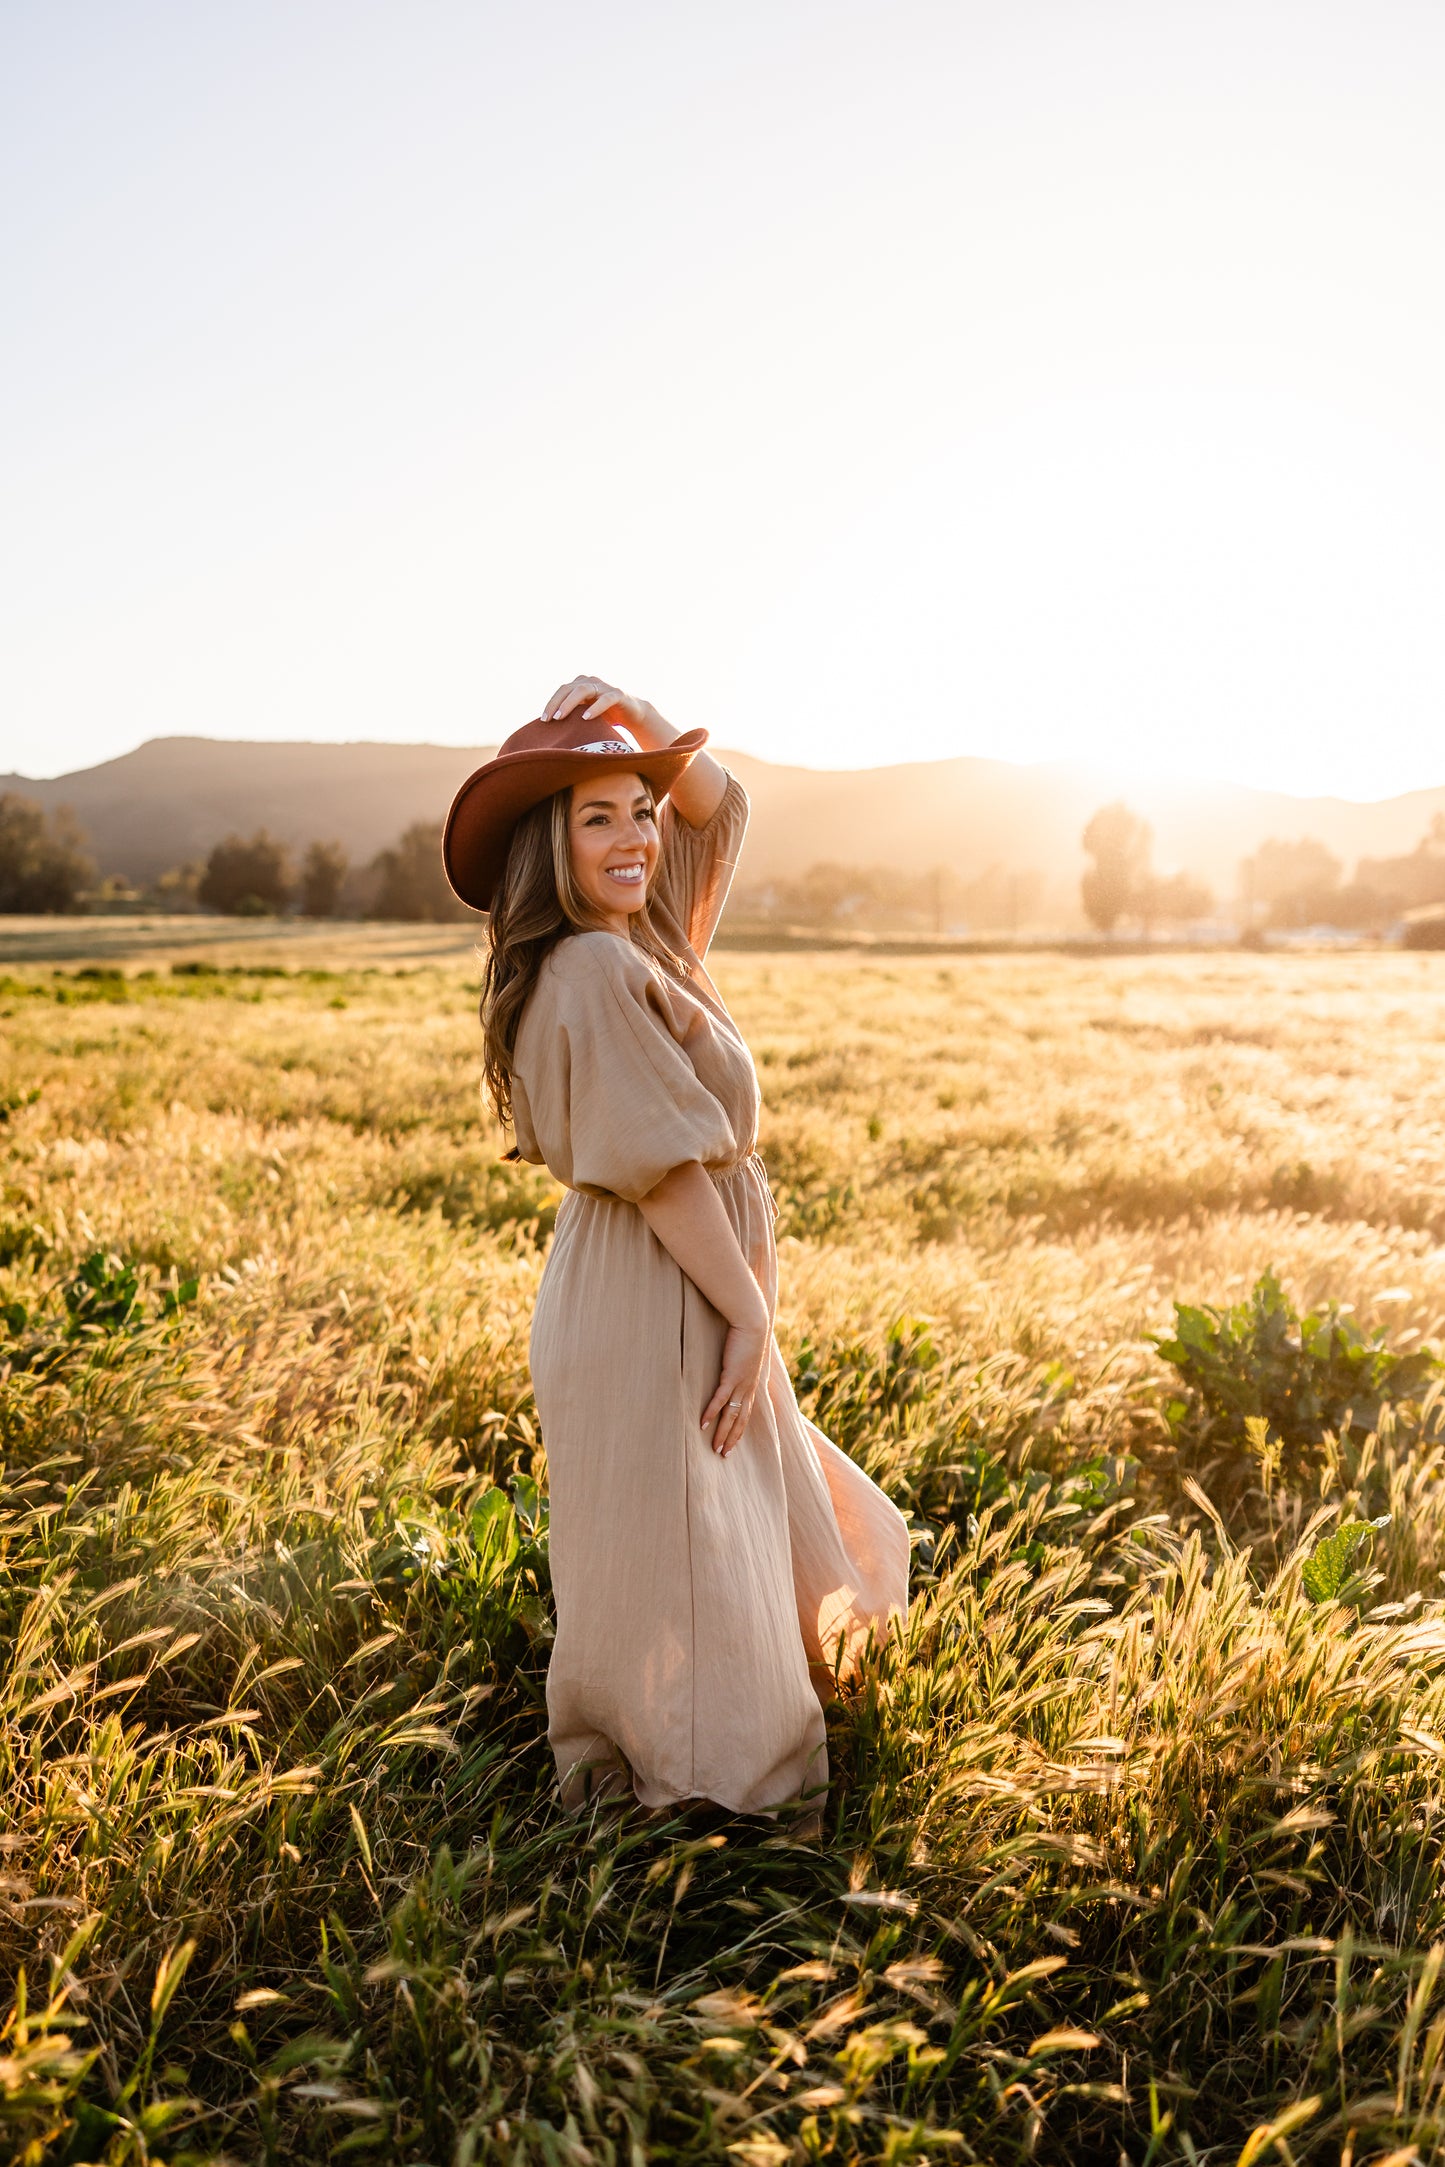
x=1133 y=1852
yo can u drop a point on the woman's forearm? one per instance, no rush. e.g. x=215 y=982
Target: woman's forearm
x=698 y=791
x=686 y=1214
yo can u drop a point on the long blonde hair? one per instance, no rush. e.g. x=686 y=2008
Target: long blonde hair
x=537 y=903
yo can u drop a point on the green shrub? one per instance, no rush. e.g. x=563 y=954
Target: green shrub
x=103 y=1293
x=103 y=1298
x=1302 y=1375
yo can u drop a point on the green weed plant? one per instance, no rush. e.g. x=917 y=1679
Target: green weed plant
x=1303 y=1375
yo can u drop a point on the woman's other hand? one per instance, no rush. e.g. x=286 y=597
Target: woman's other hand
x=745 y=1354
x=686 y=1214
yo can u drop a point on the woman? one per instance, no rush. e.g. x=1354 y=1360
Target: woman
x=715 y=1559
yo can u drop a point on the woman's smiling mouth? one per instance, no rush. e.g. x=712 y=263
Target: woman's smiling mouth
x=630 y=874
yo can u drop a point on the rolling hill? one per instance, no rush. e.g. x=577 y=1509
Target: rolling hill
x=172 y=798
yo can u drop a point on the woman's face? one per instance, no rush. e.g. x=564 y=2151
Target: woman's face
x=612 y=829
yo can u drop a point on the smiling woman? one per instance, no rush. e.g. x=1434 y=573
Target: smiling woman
x=612 y=835
x=717 y=1561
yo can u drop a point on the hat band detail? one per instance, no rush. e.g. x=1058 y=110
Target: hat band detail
x=608 y=744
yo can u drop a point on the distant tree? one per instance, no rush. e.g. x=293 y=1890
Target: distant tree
x=1410 y=883
x=176 y=890
x=114 y=893
x=247 y=878
x=1426 y=931
x=1120 y=844
x=1290 y=880
x=892 y=898
x=411 y=882
x=828 y=891
x=1358 y=907
x=1296 y=882
x=1173 y=898
x=322 y=874
x=43 y=865
x=1001 y=898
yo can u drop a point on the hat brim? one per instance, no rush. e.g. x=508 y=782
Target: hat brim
x=490 y=802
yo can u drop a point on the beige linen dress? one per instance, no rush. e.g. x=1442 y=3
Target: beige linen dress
x=702 y=1603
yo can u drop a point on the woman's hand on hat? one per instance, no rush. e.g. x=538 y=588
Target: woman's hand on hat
x=598 y=699
x=697 y=794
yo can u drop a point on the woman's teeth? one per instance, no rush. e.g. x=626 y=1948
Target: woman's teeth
x=632 y=874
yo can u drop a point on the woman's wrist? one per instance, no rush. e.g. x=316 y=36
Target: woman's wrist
x=653 y=731
x=752 y=1312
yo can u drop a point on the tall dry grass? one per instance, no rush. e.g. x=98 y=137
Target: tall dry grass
x=1133 y=1849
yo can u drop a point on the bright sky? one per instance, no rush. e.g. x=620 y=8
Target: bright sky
x=863 y=381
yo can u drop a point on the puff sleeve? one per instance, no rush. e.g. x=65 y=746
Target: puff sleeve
x=698 y=865
x=604 y=1090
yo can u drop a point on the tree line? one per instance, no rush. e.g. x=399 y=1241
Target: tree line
x=45 y=867
x=884 y=898
x=1284 y=885
x=1302 y=883
x=43 y=862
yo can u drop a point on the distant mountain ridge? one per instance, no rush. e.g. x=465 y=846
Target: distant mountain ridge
x=173 y=798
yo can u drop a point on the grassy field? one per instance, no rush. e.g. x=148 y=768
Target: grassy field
x=1134 y=1849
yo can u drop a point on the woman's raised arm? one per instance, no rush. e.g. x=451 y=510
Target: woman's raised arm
x=697 y=793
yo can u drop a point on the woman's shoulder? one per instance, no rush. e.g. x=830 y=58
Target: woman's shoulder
x=589 y=972
x=589 y=957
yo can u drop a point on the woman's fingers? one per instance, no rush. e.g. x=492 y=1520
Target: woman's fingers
x=602 y=697
x=741 y=1418
x=732 y=1420
x=570 y=696
x=731 y=1424
x=556 y=706
x=717 y=1405
x=727 y=1412
x=742 y=1360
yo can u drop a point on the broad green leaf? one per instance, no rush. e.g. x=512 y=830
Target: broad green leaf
x=494 y=1532
x=1331 y=1562
x=530 y=1504
x=177 y=1298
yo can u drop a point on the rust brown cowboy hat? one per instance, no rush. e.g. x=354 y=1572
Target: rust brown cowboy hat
x=535 y=761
